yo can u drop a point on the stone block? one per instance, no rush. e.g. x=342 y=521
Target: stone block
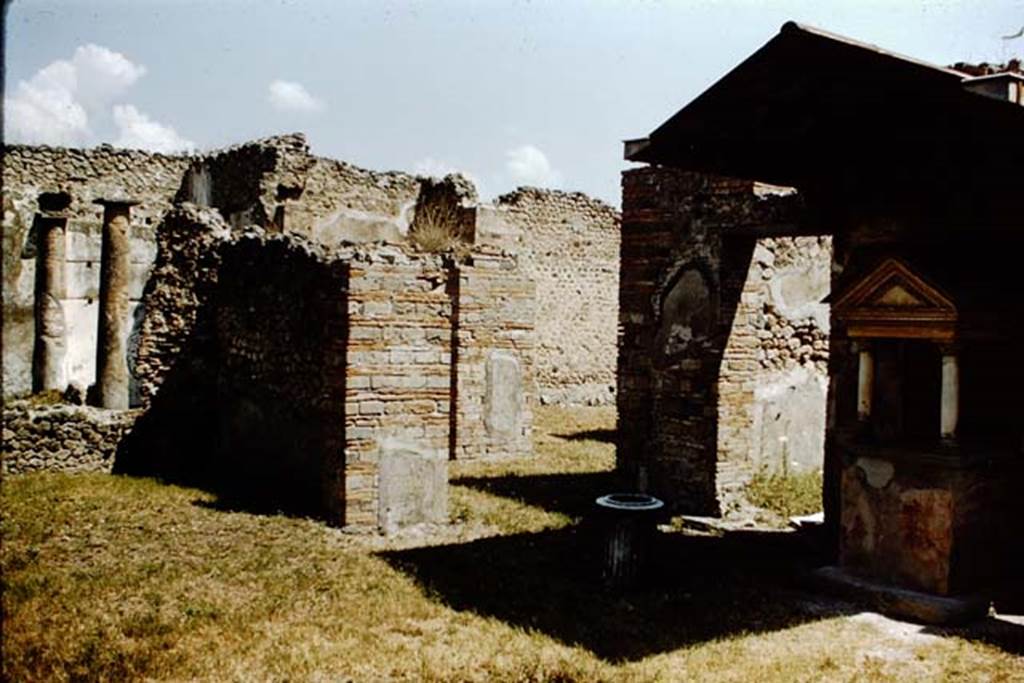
x=413 y=485
x=371 y=408
x=504 y=395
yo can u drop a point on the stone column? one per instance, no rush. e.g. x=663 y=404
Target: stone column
x=950 y=411
x=50 y=343
x=111 y=338
x=865 y=382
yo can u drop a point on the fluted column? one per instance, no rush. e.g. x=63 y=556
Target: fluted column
x=111 y=338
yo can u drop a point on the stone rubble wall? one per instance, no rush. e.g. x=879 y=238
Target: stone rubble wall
x=773 y=384
x=235 y=180
x=341 y=202
x=277 y=184
x=700 y=360
x=184 y=275
x=569 y=245
x=60 y=437
x=85 y=174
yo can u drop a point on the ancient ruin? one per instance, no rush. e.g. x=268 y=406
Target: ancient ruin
x=340 y=334
x=903 y=226
x=260 y=309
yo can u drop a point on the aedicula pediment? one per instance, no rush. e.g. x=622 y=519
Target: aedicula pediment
x=894 y=300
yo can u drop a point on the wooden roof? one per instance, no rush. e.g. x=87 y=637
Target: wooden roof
x=810 y=105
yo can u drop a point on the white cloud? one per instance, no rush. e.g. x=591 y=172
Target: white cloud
x=102 y=75
x=292 y=96
x=138 y=131
x=62 y=101
x=43 y=109
x=527 y=165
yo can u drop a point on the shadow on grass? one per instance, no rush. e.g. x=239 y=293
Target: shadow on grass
x=245 y=501
x=1005 y=635
x=570 y=494
x=599 y=435
x=700 y=588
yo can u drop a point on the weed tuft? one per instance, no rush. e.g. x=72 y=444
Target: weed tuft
x=786 y=493
x=436 y=230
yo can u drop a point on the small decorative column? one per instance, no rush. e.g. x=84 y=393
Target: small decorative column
x=950 y=411
x=50 y=343
x=865 y=383
x=111 y=339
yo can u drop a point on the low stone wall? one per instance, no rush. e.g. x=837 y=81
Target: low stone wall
x=61 y=437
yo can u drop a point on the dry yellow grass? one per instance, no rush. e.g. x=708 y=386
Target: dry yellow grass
x=435 y=230
x=114 y=578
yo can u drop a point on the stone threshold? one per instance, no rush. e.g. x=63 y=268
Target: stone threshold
x=901 y=603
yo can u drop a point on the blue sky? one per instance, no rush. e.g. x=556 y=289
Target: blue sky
x=511 y=92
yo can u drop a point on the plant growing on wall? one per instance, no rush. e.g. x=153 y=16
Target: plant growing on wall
x=436 y=230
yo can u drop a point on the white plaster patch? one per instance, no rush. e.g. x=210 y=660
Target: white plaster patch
x=877 y=472
x=354 y=225
x=797 y=293
x=788 y=430
x=82 y=316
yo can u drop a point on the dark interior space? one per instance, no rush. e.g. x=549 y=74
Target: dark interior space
x=907 y=390
x=231 y=418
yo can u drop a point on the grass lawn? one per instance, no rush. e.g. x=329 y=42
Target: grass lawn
x=114 y=578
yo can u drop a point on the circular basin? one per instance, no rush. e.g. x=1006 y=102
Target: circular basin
x=630 y=502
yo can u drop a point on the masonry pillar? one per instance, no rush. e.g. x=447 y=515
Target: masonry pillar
x=111 y=338
x=50 y=343
x=865 y=382
x=950 y=411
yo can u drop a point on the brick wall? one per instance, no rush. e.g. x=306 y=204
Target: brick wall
x=328 y=375
x=398 y=398
x=495 y=346
x=700 y=333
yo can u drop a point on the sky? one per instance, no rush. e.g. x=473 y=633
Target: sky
x=509 y=92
